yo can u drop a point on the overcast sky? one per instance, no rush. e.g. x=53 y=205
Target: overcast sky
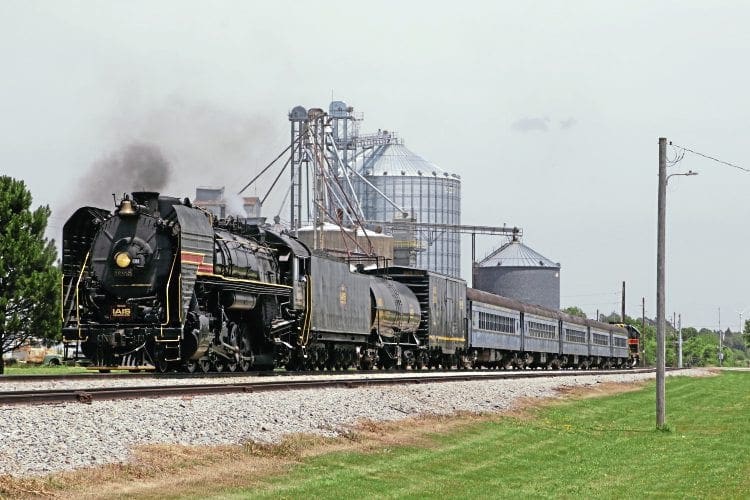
x=549 y=111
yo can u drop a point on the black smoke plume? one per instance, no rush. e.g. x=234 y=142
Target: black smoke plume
x=138 y=166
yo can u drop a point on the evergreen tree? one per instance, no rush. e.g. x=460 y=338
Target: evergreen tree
x=29 y=282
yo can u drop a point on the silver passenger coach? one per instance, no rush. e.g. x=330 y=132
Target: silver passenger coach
x=505 y=333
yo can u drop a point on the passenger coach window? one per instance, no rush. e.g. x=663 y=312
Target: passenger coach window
x=619 y=342
x=599 y=339
x=496 y=323
x=542 y=330
x=576 y=336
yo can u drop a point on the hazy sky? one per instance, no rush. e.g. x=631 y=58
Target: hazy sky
x=550 y=112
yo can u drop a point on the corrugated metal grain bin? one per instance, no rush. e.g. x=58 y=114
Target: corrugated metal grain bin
x=427 y=193
x=516 y=271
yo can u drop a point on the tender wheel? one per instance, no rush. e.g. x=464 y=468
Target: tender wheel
x=423 y=360
x=219 y=366
x=191 y=366
x=204 y=365
x=232 y=366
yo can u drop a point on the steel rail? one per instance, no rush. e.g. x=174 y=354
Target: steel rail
x=94 y=375
x=115 y=393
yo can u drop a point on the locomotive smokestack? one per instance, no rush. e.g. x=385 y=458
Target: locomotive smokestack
x=148 y=199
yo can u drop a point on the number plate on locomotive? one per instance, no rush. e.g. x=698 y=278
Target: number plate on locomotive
x=121 y=312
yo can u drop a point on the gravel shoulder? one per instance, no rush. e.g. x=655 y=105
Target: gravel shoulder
x=44 y=439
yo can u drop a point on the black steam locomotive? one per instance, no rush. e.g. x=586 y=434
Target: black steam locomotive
x=159 y=283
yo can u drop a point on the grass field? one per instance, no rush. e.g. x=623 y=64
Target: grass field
x=602 y=447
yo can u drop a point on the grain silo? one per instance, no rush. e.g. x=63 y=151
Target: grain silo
x=375 y=180
x=516 y=271
x=428 y=195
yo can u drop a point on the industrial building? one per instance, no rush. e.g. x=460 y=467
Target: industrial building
x=342 y=241
x=221 y=205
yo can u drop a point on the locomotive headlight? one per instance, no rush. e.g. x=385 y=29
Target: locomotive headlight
x=122 y=259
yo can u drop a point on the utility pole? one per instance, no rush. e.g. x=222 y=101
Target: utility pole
x=742 y=326
x=721 y=339
x=661 y=412
x=623 y=302
x=661 y=321
x=473 y=260
x=643 y=330
x=674 y=325
x=679 y=341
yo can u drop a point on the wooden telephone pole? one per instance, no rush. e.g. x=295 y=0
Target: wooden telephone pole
x=661 y=411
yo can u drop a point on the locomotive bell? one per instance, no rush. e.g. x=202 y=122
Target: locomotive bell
x=126 y=208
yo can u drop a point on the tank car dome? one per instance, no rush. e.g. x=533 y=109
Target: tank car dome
x=519 y=272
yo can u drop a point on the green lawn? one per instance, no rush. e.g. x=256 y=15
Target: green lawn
x=603 y=447
x=24 y=369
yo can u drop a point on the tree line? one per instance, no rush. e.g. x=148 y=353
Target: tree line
x=700 y=347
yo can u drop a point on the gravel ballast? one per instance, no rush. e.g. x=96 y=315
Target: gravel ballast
x=50 y=438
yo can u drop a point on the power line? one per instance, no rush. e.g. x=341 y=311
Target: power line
x=707 y=157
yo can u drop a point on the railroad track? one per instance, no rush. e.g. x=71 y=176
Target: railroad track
x=94 y=375
x=113 y=393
